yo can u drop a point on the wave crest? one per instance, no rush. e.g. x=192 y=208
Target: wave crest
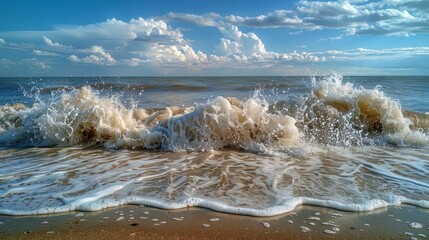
x=335 y=113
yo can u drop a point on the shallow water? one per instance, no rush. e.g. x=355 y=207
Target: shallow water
x=105 y=142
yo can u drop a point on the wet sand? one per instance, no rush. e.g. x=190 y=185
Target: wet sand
x=140 y=222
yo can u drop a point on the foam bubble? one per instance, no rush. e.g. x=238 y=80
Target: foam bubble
x=284 y=207
x=336 y=114
x=82 y=116
x=297 y=166
x=370 y=107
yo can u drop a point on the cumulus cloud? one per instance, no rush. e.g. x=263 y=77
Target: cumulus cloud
x=74 y=58
x=237 y=46
x=101 y=53
x=132 y=62
x=51 y=43
x=114 y=33
x=115 y=42
x=168 y=54
x=41 y=65
x=248 y=44
x=138 y=41
x=155 y=42
x=248 y=47
x=97 y=56
x=388 y=17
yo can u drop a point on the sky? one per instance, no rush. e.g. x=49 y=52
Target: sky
x=213 y=37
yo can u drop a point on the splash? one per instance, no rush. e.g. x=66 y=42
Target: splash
x=370 y=110
x=82 y=116
x=335 y=113
x=340 y=125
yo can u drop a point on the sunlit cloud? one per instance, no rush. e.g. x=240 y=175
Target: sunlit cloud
x=158 y=43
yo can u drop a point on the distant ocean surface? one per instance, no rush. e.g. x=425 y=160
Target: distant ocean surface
x=245 y=145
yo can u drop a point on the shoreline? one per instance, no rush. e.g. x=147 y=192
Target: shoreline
x=141 y=222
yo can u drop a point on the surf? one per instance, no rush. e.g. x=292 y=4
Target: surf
x=334 y=113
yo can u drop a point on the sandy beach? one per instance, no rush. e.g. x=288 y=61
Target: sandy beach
x=139 y=222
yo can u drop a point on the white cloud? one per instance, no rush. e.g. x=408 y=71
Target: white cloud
x=97 y=56
x=115 y=42
x=236 y=46
x=44 y=53
x=6 y=63
x=247 y=44
x=154 y=42
x=133 y=62
x=33 y=63
x=51 y=43
x=20 y=65
x=248 y=47
x=327 y=8
x=388 y=17
x=206 y=20
x=41 y=65
x=101 y=53
x=278 y=18
x=74 y=58
x=359 y=18
x=174 y=53
x=295 y=33
x=114 y=33
x=139 y=41
x=227 y=47
x=366 y=54
x=15 y=46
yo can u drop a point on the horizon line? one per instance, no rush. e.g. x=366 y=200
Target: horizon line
x=202 y=76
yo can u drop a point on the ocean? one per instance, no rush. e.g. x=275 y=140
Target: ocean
x=257 y=146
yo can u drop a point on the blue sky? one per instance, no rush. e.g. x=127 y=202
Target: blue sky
x=206 y=37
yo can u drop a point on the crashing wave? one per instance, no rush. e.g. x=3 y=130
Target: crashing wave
x=336 y=113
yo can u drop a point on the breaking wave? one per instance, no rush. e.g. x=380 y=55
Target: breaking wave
x=336 y=134
x=334 y=113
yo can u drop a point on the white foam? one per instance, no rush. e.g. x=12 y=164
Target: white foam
x=328 y=231
x=284 y=207
x=371 y=107
x=333 y=115
x=416 y=225
x=296 y=161
x=82 y=116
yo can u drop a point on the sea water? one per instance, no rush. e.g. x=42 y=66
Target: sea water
x=246 y=145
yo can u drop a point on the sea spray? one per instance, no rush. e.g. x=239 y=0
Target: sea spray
x=203 y=154
x=82 y=116
x=369 y=108
x=335 y=113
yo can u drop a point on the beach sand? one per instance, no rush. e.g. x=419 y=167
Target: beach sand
x=140 y=222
